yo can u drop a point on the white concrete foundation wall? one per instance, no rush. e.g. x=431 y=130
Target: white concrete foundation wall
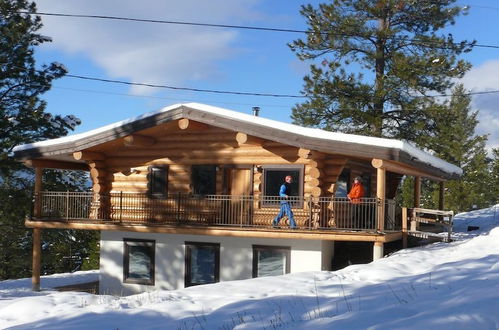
x=236 y=258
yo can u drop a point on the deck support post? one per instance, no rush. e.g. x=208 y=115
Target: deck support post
x=37 y=258
x=37 y=232
x=441 y=195
x=378 y=250
x=404 y=227
x=417 y=191
x=380 y=194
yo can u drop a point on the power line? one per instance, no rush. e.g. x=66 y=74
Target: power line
x=234 y=92
x=243 y=27
x=183 y=88
x=165 y=98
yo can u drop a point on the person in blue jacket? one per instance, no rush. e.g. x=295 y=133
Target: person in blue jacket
x=284 y=193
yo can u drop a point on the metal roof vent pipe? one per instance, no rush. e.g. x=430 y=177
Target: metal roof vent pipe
x=256 y=111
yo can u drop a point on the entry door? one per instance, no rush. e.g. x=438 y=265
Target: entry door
x=239 y=184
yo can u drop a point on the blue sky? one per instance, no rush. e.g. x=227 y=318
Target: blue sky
x=210 y=58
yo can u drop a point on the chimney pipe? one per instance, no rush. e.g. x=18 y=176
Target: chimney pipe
x=256 y=111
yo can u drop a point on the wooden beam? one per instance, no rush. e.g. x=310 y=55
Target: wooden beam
x=402 y=169
x=185 y=123
x=37 y=258
x=56 y=164
x=417 y=191
x=441 y=196
x=304 y=153
x=404 y=227
x=136 y=140
x=243 y=138
x=88 y=155
x=217 y=231
x=380 y=194
x=38 y=188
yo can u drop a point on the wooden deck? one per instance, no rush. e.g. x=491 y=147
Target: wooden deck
x=269 y=232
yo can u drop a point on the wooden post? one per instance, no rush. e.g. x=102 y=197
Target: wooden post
x=417 y=191
x=380 y=194
x=37 y=258
x=441 y=195
x=37 y=211
x=404 y=227
x=378 y=250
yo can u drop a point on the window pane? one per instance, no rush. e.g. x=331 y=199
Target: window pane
x=343 y=184
x=202 y=268
x=139 y=262
x=204 y=179
x=271 y=263
x=275 y=178
x=158 y=181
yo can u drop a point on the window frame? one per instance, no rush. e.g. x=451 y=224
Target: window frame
x=285 y=249
x=151 y=244
x=188 y=256
x=283 y=168
x=193 y=183
x=151 y=181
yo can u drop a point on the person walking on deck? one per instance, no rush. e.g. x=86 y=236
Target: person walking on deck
x=284 y=193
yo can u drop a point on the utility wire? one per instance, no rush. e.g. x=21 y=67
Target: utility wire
x=234 y=92
x=243 y=27
x=182 y=88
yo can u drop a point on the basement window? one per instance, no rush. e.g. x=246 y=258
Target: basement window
x=138 y=261
x=202 y=263
x=271 y=260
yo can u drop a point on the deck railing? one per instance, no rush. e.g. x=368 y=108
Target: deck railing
x=219 y=210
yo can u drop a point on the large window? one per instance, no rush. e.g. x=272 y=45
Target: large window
x=202 y=263
x=273 y=178
x=270 y=260
x=157 y=181
x=204 y=179
x=138 y=261
x=343 y=184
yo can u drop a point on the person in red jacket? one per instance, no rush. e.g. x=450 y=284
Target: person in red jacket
x=356 y=192
x=354 y=196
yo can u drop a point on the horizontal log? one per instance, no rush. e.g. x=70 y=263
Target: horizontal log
x=136 y=140
x=312 y=172
x=185 y=123
x=402 y=169
x=332 y=170
x=61 y=165
x=97 y=164
x=101 y=188
x=304 y=153
x=243 y=138
x=120 y=162
x=203 y=150
x=335 y=161
x=208 y=136
x=311 y=181
x=88 y=155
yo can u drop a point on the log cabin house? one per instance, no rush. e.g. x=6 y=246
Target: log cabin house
x=186 y=195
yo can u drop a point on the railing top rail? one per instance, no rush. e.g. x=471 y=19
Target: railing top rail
x=430 y=211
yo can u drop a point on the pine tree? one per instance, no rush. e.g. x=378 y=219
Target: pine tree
x=494 y=174
x=23 y=119
x=373 y=61
x=454 y=139
x=22 y=113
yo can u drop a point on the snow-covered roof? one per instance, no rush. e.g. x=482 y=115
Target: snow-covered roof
x=311 y=138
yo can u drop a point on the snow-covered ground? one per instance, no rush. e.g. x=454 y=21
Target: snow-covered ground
x=439 y=286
